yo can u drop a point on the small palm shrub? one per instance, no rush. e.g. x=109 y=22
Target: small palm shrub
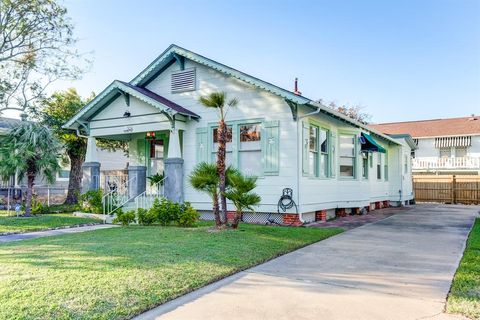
x=125 y=218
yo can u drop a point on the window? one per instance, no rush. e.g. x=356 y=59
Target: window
x=460 y=152
x=385 y=172
x=324 y=153
x=405 y=166
x=365 y=157
x=445 y=152
x=250 y=151
x=64 y=174
x=379 y=166
x=228 y=146
x=247 y=154
x=313 y=151
x=347 y=155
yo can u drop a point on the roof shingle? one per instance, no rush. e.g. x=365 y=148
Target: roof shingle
x=432 y=128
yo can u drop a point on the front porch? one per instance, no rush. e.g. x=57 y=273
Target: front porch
x=152 y=154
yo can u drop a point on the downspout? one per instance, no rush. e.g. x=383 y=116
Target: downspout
x=299 y=157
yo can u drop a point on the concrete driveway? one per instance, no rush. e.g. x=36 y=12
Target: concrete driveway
x=397 y=268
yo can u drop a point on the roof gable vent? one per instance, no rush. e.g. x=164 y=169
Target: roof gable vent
x=184 y=80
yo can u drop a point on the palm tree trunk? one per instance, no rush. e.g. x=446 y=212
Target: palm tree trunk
x=28 y=200
x=221 y=155
x=75 y=179
x=216 y=211
x=236 y=220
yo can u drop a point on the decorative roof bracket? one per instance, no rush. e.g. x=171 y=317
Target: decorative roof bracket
x=294 y=108
x=180 y=60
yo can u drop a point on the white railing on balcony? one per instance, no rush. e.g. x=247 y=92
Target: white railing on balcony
x=435 y=163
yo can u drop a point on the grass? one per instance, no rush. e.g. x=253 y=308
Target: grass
x=464 y=297
x=120 y=272
x=40 y=222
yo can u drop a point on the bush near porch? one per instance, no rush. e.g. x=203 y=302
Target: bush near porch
x=464 y=297
x=120 y=272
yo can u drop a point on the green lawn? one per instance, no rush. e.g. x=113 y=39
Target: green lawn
x=464 y=295
x=40 y=222
x=120 y=272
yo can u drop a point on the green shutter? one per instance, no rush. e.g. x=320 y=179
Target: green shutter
x=305 y=137
x=271 y=146
x=202 y=145
x=331 y=154
x=141 y=152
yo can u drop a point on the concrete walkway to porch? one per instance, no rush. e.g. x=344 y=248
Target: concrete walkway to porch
x=400 y=267
x=49 y=233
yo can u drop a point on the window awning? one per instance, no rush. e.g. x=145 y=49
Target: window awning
x=371 y=145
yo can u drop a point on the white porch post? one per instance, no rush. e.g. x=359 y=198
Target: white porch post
x=174 y=145
x=92 y=154
x=173 y=186
x=91 y=167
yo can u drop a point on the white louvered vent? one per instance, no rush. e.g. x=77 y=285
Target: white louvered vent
x=183 y=80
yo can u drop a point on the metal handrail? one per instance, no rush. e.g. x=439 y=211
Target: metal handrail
x=114 y=200
x=145 y=200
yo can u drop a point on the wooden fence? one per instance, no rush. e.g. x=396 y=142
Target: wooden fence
x=447 y=188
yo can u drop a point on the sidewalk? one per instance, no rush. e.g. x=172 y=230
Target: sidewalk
x=49 y=233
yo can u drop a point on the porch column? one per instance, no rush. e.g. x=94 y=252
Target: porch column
x=173 y=187
x=137 y=171
x=91 y=167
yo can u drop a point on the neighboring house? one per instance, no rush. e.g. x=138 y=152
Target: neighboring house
x=333 y=164
x=115 y=164
x=445 y=146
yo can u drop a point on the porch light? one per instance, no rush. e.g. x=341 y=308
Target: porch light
x=150 y=135
x=126 y=114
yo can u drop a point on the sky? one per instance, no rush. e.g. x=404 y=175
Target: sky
x=400 y=60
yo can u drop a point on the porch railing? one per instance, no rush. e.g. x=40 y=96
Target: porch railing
x=145 y=199
x=117 y=198
x=435 y=163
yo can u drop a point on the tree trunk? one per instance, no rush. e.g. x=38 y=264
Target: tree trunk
x=221 y=155
x=28 y=200
x=216 y=211
x=75 y=179
x=236 y=220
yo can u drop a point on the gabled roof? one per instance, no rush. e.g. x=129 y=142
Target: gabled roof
x=175 y=53
x=433 y=128
x=145 y=95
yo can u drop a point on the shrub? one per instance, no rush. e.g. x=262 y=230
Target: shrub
x=39 y=208
x=145 y=217
x=64 y=208
x=165 y=211
x=188 y=216
x=125 y=218
x=92 y=201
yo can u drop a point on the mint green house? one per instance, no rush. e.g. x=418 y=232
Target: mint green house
x=330 y=162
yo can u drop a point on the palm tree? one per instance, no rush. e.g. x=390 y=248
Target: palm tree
x=218 y=100
x=204 y=177
x=239 y=191
x=29 y=149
